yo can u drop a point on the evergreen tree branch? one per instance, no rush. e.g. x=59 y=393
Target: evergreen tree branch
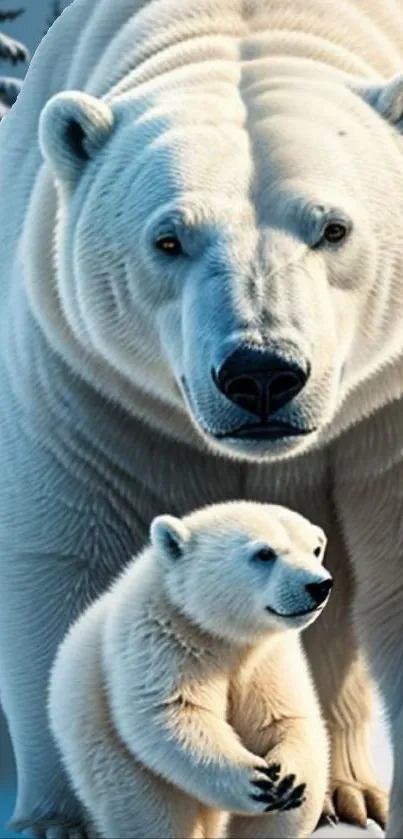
x=12 y=51
x=9 y=90
x=10 y=15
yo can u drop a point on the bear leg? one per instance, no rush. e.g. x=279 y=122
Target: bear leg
x=344 y=686
x=395 y=824
x=301 y=752
x=371 y=514
x=36 y=606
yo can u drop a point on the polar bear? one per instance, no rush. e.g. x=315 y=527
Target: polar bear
x=201 y=248
x=156 y=697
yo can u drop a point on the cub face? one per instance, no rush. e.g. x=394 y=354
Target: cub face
x=242 y=570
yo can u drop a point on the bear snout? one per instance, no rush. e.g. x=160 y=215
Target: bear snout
x=319 y=591
x=260 y=380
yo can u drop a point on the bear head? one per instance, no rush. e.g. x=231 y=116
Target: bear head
x=241 y=570
x=232 y=246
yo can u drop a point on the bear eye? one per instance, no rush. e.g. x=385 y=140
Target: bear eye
x=169 y=245
x=265 y=555
x=335 y=232
x=318 y=551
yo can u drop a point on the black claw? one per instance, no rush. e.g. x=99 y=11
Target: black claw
x=267 y=786
x=264 y=796
x=293 y=805
x=298 y=791
x=267 y=796
x=272 y=772
x=285 y=785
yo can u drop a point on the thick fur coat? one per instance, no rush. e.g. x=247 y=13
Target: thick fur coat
x=182 y=695
x=185 y=206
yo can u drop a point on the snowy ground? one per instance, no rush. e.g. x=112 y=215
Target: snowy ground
x=382 y=762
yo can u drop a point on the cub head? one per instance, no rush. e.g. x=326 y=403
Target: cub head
x=233 y=247
x=241 y=570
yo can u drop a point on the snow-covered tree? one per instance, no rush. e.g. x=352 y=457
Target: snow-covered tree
x=14 y=52
x=9 y=90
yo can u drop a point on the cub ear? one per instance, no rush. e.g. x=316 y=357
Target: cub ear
x=386 y=98
x=169 y=535
x=73 y=126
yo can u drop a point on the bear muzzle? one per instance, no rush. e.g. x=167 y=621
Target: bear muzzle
x=262 y=381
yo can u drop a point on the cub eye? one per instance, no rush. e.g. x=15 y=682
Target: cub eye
x=265 y=555
x=318 y=551
x=335 y=232
x=169 y=245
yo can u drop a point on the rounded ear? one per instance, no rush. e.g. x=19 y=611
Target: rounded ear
x=386 y=98
x=73 y=127
x=169 y=535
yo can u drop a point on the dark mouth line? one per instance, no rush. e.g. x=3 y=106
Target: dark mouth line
x=293 y=614
x=275 y=429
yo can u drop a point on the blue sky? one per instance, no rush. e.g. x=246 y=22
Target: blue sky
x=29 y=28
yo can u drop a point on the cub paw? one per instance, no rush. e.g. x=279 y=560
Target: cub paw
x=275 y=792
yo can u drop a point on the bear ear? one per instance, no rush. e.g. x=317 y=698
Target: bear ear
x=73 y=127
x=169 y=535
x=386 y=98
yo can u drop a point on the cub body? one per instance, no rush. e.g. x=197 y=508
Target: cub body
x=156 y=698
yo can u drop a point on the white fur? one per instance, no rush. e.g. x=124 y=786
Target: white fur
x=231 y=122
x=172 y=690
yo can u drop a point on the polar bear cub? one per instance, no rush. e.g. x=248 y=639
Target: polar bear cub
x=181 y=700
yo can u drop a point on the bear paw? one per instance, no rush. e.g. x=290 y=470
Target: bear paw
x=354 y=794
x=278 y=793
x=355 y=803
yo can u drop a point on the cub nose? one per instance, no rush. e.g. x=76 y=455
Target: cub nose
x=319 y=591
x=260 y=381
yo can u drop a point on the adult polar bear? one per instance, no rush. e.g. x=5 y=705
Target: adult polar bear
x=225 y=241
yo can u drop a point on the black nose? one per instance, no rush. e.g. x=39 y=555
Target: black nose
x=319 y=591
x=260 y=381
